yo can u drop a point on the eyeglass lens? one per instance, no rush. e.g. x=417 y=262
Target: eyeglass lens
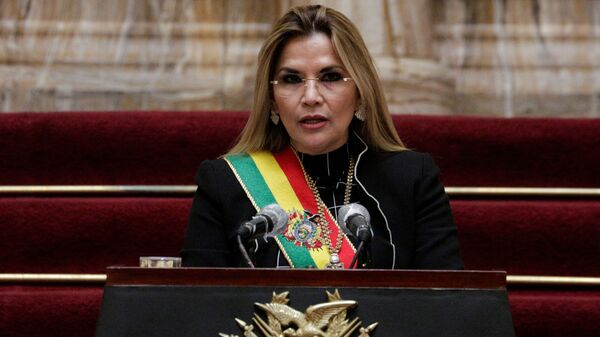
x=329 y=82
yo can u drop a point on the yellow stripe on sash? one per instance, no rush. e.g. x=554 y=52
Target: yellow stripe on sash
x=276 y=180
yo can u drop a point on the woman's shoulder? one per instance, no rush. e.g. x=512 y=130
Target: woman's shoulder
x=404 y=158
x=400 y=166
x=213 y=169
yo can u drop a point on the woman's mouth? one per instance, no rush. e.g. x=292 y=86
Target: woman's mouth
x=313 y=122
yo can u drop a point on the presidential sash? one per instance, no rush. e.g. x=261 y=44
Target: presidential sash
x=269 y=178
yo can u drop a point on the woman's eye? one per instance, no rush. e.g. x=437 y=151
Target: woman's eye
x=291 y=79
x=331 y=77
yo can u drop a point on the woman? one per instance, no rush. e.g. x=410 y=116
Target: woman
x=320 y=136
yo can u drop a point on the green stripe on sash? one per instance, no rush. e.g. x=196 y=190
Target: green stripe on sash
x=252 y=180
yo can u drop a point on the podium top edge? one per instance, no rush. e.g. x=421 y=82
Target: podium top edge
x=244 y=277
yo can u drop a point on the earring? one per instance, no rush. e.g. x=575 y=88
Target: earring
x=274 y=117
x=361 y=113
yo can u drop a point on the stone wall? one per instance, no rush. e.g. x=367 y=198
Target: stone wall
x=490 y=57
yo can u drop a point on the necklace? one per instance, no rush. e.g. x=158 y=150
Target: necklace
x=334 y=258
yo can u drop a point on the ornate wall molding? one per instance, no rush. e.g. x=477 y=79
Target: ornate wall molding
x=491 y=57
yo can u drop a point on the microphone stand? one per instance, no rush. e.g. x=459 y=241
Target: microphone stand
x=244 y=252
x=358 y=251
x=364 y=235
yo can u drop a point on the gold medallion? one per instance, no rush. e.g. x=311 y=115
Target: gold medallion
x=334 y=262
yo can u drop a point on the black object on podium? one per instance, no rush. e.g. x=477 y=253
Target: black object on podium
x=204 y=302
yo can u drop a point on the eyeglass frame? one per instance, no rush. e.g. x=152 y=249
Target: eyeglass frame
x=304 y=80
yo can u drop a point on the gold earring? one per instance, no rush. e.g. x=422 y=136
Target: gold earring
x=274 y=117
x=361 y=113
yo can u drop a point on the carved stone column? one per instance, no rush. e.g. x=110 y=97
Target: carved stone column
x=415 y=81
x=522 y=57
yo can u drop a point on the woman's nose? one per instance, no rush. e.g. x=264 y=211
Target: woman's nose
x=312 y=94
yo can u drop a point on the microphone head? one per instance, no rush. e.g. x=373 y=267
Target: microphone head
x=354 y=219
x=347 y=211
x=278 y=216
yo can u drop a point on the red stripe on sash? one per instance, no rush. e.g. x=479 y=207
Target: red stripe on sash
x=290 y=165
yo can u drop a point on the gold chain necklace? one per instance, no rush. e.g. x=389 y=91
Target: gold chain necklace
x=334 y=258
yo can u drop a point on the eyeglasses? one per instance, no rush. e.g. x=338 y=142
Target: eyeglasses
x=330 y=83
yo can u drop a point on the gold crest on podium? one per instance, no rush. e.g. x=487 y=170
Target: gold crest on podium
x=320 y=320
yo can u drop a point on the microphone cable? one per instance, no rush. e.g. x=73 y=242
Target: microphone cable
x=244 y=252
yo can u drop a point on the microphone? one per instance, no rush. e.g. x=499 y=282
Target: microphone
x=356 y=219
x=270 y=221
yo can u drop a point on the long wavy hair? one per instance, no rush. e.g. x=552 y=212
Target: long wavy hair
x=377 y=130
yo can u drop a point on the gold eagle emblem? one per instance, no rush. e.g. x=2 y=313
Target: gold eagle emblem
x=320 y=320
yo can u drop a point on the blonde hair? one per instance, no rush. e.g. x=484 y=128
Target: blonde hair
x=377 y=130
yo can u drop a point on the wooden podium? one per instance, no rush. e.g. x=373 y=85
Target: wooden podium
x=204 y=302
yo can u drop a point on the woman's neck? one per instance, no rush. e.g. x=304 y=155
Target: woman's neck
x=329 y=167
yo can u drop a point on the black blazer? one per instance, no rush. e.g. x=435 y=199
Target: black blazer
x=410 y=215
